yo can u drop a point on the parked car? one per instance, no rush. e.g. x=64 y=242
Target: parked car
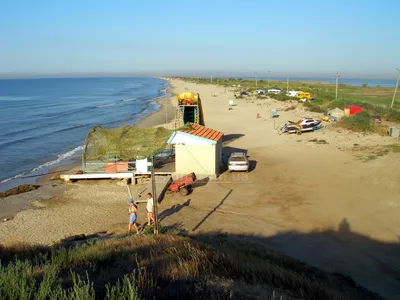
x=238 y=161
x=376 y=118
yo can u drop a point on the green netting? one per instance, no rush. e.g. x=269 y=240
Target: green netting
x=125 y=143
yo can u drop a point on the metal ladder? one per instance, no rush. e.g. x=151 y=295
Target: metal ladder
x=180 y=111
x=196 y=115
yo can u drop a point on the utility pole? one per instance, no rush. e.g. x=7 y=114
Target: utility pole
x=255 y=77
x=166 y=108
x=155 y=198
x=395 y=89
x=337 y=81
x=287 y=84
x=211 y=78
x=268 y=78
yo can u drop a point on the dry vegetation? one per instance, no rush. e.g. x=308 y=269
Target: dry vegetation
x=170 y=266
x=19 y=189
x=368 y=153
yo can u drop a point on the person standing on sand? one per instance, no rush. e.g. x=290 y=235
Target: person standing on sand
x=132 y=216
x=149 y=208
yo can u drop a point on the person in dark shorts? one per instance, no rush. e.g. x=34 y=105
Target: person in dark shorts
x=132 y=216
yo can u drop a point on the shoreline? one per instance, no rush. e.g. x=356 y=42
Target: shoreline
x=156 y=118
x=49 y=188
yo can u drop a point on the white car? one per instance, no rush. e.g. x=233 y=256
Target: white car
x=238 y=161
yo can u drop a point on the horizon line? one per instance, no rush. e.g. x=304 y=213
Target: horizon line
x=188 y=75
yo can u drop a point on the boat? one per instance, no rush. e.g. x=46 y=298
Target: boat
x=302 y=125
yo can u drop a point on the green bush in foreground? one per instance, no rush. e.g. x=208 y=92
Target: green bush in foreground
x=211 y=266
x=359 y=122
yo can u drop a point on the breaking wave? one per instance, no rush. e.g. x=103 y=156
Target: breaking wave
x=34 y=171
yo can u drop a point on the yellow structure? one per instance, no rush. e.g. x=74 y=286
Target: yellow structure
x=189 y=96
x=188 y=109
x=304 y=95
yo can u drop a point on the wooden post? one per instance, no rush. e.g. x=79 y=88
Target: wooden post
x=155 y=199
x=129 y=191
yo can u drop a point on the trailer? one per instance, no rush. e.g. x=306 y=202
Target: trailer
x=303 y=125
x=183 y=185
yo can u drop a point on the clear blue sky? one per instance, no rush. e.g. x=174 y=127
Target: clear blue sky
x=192 y=37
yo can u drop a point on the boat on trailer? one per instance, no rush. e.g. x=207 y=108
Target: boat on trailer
x=302 y=125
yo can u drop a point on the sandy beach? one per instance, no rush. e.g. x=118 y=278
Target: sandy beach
x=326 y=203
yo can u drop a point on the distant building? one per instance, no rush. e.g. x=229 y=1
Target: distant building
x=350 y=110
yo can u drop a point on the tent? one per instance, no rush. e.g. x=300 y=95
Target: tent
x=336 y=113
x=244 y=93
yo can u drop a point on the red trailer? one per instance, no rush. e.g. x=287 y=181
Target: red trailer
x=351 y=110
x=183 y=184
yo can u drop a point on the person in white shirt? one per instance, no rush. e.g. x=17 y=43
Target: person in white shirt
x=150 y=208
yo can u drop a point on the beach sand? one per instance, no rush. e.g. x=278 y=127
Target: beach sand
x=329 y=204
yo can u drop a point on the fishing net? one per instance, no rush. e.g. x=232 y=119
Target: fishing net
x=124 y=143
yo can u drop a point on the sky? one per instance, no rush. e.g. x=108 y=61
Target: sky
x=196 y=38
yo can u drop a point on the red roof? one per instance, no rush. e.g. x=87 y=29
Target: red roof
x=204 y=132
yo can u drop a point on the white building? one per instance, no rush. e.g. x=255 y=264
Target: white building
x=197 y=150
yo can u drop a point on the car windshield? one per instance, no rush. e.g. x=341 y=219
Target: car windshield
x=238 y=158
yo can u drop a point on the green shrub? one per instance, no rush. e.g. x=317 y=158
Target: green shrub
x=281 y=97
x=393 y=115
x=128 y=290
x=359 y=122
x=340 y=103
x=149 y=230
x=315 y=107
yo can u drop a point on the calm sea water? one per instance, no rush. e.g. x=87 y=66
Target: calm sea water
x=44 y=122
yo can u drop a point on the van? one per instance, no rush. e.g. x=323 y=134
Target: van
x=274 y=91
x=303 y=95
x=292 y=93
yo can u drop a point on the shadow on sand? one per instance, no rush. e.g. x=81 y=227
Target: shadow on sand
x=229 y=138
x=355 y=258
x=172 y=210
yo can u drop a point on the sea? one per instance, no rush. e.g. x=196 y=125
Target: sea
x=44 y=122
